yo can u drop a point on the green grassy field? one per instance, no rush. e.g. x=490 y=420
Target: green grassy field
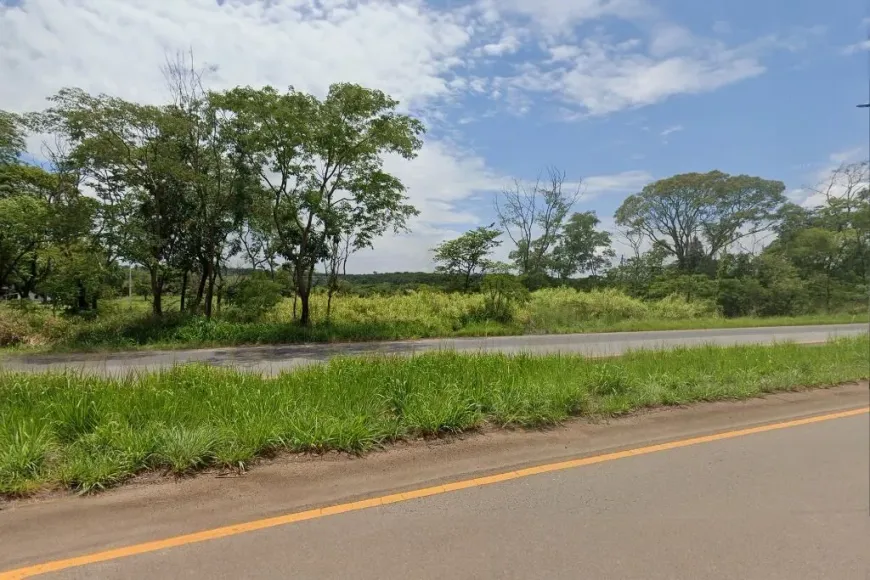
x=124 y=325
x=88 y=433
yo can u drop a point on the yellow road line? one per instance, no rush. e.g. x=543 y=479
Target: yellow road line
x=226 y=531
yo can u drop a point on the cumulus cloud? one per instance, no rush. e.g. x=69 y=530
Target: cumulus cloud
x=428 y=55
x=618 y=183
x=603 y=77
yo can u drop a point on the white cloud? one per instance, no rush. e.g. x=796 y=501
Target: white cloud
x=117 y=46
x=857 y=47
x=673 y=129
x=407 y=49
x=829 y=181
x=602 y=77
x=438 y=179
x=426 y=56
x=618 y=183
x=507 y=44
x=668 y=38
x=560 y=16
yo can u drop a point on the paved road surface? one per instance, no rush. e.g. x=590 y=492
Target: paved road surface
x=789 y=503
x=273 y=359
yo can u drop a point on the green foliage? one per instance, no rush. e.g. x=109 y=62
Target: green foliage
x=255 y=295
x=689 y=286
x=581 y=248
x=467 y=254
x=694 y=216
x=502 y=295
x=90 y=433
x=328 y=157
x=11 y=140
x=23 y=229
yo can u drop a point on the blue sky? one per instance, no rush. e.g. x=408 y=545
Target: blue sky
x=614 y=92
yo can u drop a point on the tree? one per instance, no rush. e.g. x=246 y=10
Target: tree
x=11 y=138
x=221 y=182
x=133 y=157
x=321 y=163
x=581 y=247
x=23 y=230
x=695 y=216
x=818 y=253
x=467 y=254
x=532 y=218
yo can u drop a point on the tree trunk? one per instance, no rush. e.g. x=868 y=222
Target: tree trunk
x=305 y=317
x=183 y=289
x=82 y=297
x=200 y=289
x=156 y=292
x=209 y=276
x=303 y=289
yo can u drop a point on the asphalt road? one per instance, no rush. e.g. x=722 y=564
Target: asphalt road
x=273 y=359
x=788 y=503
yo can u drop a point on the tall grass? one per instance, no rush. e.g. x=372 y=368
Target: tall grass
x=120 y=325
x=87 y=433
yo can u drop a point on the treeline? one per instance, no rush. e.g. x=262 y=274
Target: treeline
x=179 y=189
x=215 y=185
x=736 y=241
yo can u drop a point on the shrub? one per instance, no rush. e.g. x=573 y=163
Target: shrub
x=502 y=293
x=255 y=295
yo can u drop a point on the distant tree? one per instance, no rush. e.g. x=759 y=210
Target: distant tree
x=532 y=217
x=581 y=247
x=695 y=216
x=467 y=254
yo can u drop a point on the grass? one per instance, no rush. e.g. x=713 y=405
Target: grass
x=121 y=325
x=88 y=433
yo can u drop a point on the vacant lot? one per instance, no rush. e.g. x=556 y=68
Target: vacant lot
x=123 y=325
x=87 y=433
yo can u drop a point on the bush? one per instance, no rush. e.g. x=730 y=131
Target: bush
x=255 y=295
x=502 y=294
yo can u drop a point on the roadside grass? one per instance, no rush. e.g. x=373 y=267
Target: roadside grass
x=88 y=433
x=120 y=325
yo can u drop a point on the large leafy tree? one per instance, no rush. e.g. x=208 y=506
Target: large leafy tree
x=581 y=247
x=321 y=165
x=695 y=216
x=467 y=254
x=42 y=213
x=134 y=157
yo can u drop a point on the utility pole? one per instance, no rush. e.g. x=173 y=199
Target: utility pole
x=867 y=106
x=130 y=287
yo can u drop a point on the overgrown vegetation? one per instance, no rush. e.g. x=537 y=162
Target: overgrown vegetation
x=504 y=307
x=169 y=201
x=88 y=433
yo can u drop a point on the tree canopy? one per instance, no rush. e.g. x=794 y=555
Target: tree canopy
x=468 y=254
x=694 y=216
